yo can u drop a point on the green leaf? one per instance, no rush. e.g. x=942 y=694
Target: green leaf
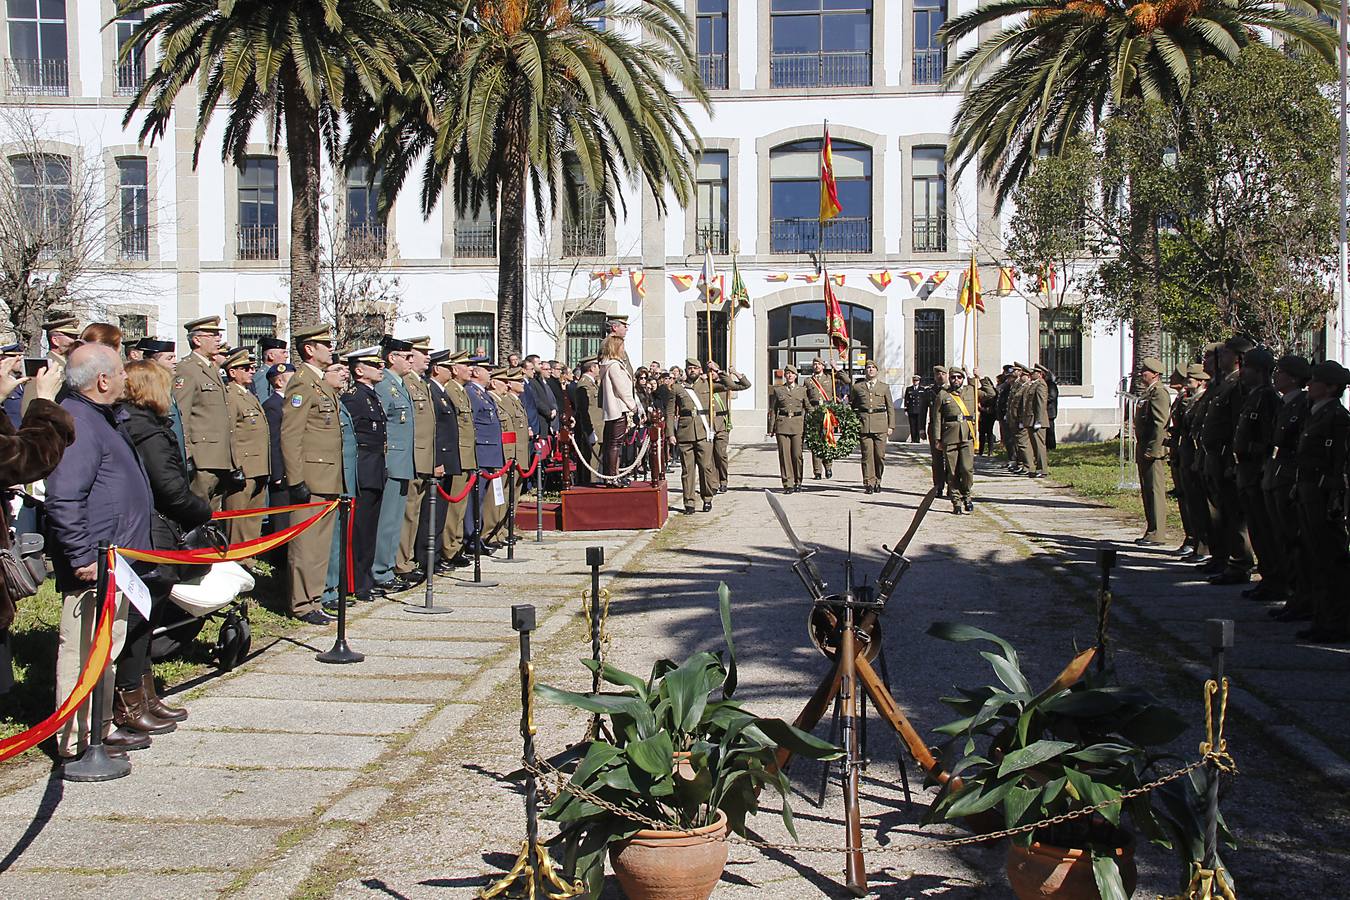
x=618 y=676
x=959 y=633
x=1032 y=755
x=655 y=755
x=978 y=798
x=1101 y=753
x=1017 y=802
x=799 y=742
x=687 y=690
x=724 y=610
x=1107 y=875
x=1007 y=673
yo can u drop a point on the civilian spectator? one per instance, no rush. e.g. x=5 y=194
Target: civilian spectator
x=616 y=397
x=103 y=333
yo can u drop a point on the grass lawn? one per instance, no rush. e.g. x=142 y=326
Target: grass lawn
x=33 y=638
x=1093 y=471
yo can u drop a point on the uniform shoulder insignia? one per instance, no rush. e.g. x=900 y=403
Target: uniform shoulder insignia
x=296 y=400
x=179 y=381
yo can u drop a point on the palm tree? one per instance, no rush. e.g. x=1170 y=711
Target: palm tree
x=564 y=97
x=1060 y=67
x=289 y=65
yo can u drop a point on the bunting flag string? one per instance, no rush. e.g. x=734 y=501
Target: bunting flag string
x=1005 y=279
x=914 y=277
x=809 y=279
x=682 y=282
x=778 y=276
x=881 y=279
x=940 y=276
x=639 y=281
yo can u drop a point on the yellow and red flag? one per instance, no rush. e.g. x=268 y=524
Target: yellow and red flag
x=829 y=191
x=780 y=276
x=834 y=320
x=970 y=296
x=914 y=277
x=809 y=279
x=881 y=279
x=1005 y=279
x=639 y=280
x=682 y=282
x=940 y=276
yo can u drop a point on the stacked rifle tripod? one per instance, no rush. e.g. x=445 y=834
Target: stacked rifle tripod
x=846 y=628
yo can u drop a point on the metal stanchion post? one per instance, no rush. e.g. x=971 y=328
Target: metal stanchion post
x=476 y=508
x=511 y=500
x=1106 y=561
x=96 y=764
x=429 y=607
x=340 y=652
x=539 y=503
x=1220 y=634
x=595 y=558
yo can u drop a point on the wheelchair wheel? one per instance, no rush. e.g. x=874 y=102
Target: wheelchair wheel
x=181 y=630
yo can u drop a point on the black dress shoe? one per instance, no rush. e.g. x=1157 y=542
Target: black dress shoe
x=1229 y=576
x=815 y=477
x=688 y=510
x=722 y=489
x=1201 y=559
x=317 y=617
x=443 y=567
x=787 y=490
x=397 y=586
x=829 y=473
x=707 y=506
x=970 y=506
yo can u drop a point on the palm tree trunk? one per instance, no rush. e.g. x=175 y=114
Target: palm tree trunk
x=1147 y=322
x=303 y=150
x=511 y=247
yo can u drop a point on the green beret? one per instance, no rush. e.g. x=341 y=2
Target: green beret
x=1295 y=366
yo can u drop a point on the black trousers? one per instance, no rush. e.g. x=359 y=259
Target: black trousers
x=915 y=427
x=364 y=528
x=134 y=660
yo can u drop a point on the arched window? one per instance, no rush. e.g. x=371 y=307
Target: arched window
x=794 y=198
x=797 y=335
x=475 y=332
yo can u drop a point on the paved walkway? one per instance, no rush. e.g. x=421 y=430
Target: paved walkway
x=386 y=779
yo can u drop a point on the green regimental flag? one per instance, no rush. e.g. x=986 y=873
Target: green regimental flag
x=740 y=297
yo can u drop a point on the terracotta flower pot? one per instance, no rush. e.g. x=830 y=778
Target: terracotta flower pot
x=671 y=865
x=1043 y=870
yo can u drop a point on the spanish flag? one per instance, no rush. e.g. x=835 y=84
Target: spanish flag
x=829 y=191
x=881 y=279
x=940 y=276
x=639 y=279
x=914 y=277
x=780 y=276
x=682 y=282
x=1005 y=279
x=834 y=320
x=970 y=296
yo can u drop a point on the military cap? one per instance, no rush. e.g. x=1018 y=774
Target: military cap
x=395 y=345
x=458 y=356
x=499 y=373
x=225 y=349
x=953 y=371
x=1008 y=368
x=1040 y=367
x=205 y=323
x=1332 y=373
x=939 y=370
x=1214 y=346
x=11 y=350
x=616 y=317
x=1197 y=371
x=1017 y=366
x=63 y=324
x=366 y=355
x=514 y=374
x=279 y=369
x=790 y=368
x=477 y=360
x=1240 y=343
x=1177 y=377
x=239 y=358
x=1259 y=358
x=270 y=343
x=692 y=363
x=421 y=342
x=587 y=361
x=154 y=345
x=314 y=334
x=442 y=358
x=1153 y=364
x=1295 y=366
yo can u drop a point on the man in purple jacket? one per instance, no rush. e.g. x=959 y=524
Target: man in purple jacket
x=98 y=492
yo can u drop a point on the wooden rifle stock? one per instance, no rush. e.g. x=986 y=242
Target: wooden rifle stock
x=855 y=872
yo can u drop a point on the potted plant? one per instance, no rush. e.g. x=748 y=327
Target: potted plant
x=677 y=749
x=1083 y=741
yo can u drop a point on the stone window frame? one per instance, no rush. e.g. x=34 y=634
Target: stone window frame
x=274 y=308
x=733 y=36
x=555 y=230
x=150 y=310
x=908 y=307
x=600 y=304
x=340 y=216
x=108 y=41
x=908 y=143
x=451 y=308
x=765 y=145
x=230 y=185
x=764 y=54
x=907 y=55
x=449 y=216
x=732 y=148
x=74 y=85
x=41 y=147
x=1087 y=388
x=111 y=154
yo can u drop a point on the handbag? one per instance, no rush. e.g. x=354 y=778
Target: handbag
x=22 y=571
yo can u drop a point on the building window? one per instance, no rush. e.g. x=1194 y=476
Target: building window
x=366 y=234
x=130 y=74
x=583 y=228
x=37 y=61
x=134 y=326
x=476 y=233
x=1061 y=344
x=712 y=202
x=475 y=333
x=930 y=55
x=43 y=184
x=253 y=327
x=794 y=199
x=1174 y=352
x=712 y=43
x=797 y=335
x=258 y=235
x=930 y=342
x=821 y=43
x=585 y=334
x=133 y=193
x=930 y=199
x=719 y=336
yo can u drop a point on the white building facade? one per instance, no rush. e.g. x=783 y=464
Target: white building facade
x=214 y=240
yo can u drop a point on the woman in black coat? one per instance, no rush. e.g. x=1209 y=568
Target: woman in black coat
x=145 y=422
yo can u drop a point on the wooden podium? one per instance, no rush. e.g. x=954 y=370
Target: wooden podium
x=640 y=505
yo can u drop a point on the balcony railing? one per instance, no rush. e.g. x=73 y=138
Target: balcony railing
x=842 y=235
x=836 y=68
x=258 y=241
x=129 y=78
x=367 y=241
x=712 y=235
x=475 y=240
x=712 y=68
x=38 y=77
x=929 y=65
x=134 y=243
x=930 y=234
x=583 y=239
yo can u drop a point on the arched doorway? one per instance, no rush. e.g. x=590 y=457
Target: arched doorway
x=797 y=335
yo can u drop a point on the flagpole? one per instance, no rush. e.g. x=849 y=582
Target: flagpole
x=824 y=272
x=975 y=357
x=707 y=310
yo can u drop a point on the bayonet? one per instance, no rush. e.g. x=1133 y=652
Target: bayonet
x=897 y=563
x=804 y=567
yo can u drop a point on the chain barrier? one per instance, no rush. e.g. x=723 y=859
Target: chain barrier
x=593 y=724
x=622 y=473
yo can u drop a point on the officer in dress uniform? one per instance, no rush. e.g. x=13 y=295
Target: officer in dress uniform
x=1038 y=419
x=1279 y=483
x=447 y=456
x=452 y=534
x=1019 y=404
x=1150 y=431
x=368 y=426
x=399 y=463
x=1182 y=398
x=937 y=458
x=200 y=393
x=818 y=392
x=411 y=560
x=953 y=420
x=271 y=352
x=311 y=445
x=488 y=453
x=508 y=388
x=788 y=405
x=1203 y=513
x=251 y=445
x=338 y=376
x=1230 y=542
x=589 y=418
x=278 y=377
x=1253 y=439
x=1323 y=452
x=687 y=429
x=724 y=384
x=871 y=400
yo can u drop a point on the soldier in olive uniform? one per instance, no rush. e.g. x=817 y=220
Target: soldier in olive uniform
x=1150 y=431
x=724 y=384
x=368 y=427
x=687 y=429
x=1038 y=419
x=1229 y=541
x=411 y=560
x=871 y=400
x=1253 y=439
x=1203 y=514
x=63 y=333
x=1019 y=408
x=938 y=459
x=508 y=386
x=452 y=533
x=399 y=464
x=200 y=393
x=788 y=405
x=1176 y=436
x=1323 y=452
x=954 y=418
x=1279 y=483
x=818 y=392
x=252 y=446
x=311 y=444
